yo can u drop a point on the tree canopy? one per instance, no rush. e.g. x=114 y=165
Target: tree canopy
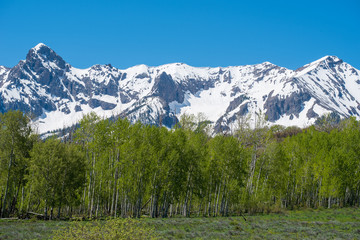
x=114 y=168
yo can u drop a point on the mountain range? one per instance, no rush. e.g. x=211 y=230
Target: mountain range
x=58 y=94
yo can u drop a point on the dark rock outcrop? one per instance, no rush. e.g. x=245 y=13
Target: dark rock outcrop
x=276 y=106
x=168 y=91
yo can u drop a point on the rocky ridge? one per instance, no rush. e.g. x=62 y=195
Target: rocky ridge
x=58 y=94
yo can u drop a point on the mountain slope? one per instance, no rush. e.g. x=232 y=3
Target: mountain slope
x=58 y=94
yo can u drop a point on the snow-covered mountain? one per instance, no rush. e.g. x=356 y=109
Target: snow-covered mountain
x=58 y=94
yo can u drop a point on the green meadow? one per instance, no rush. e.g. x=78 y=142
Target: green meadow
x=341 y=223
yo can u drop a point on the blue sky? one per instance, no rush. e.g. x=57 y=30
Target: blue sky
x=196 y=32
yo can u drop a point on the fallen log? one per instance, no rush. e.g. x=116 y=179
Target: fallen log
x=36 y=214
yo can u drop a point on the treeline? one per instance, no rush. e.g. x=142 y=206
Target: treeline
x=114 y=168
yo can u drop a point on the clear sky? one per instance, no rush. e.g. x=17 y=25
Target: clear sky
x=197 y=32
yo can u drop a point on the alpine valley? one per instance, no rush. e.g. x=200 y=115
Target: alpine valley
x=58 y=94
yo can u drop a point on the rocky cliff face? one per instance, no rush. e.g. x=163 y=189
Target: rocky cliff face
x=58 y=94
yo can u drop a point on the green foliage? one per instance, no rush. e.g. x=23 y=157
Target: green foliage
x=328 y=121
x=114 y=168
x=114 y=229
x=15 y=144
x=56 y=173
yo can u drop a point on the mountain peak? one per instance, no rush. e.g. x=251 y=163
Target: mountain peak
x=266 y=64
x=43 y=53
x=39 y=46
x=329 y=58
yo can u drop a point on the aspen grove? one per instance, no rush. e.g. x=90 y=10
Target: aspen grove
x=114 y=168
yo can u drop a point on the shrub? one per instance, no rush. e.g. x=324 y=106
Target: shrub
x=130 y=229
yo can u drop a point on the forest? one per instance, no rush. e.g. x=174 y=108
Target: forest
x=111 y=168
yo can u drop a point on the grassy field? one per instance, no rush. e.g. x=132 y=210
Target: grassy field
x=305 y=224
